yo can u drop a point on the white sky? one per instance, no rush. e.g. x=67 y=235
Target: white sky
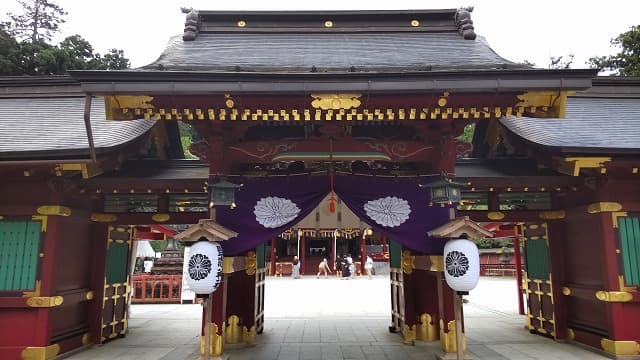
x=515 y=29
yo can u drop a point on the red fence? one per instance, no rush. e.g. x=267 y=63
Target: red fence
x=156 y=289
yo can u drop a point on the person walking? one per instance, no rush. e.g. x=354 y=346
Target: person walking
x=323 y=267
x=352 y=266
x=338 y=266
x=296 y=268
x=345 y=268
x=368 y=266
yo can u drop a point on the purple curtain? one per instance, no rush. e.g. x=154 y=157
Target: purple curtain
x=266 y=207
x=396 y=207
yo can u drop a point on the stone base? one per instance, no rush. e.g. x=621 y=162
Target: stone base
x=451 y=356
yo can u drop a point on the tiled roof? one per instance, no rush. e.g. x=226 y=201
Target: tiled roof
x=592 y=124
x=331 y=51
x=48 y=127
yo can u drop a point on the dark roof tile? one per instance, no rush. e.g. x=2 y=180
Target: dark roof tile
x=277 y=52
x=591 y=125
x=54 y=126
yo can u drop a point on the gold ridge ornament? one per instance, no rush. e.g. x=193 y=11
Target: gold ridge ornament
x=204 y=272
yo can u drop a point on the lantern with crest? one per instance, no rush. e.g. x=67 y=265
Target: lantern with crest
x=204 y=273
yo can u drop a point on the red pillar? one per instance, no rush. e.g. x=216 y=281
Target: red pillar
x=218 y=316
x=518 y=259
x=303 y=247
x=332 y=258
x=217 y=166
x=447 y=316
x=272 y=263
x=410 y=316
x=240 y=313
x=385 y=245
x=363 y=252
x=427 y=305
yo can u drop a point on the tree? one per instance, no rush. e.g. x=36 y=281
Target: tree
x=38 y=22
x=113 y=60
x=467 y=134
x=73 y=53
x=25 y=47
x=627 y=61
x=560 y=62
x=9 y=54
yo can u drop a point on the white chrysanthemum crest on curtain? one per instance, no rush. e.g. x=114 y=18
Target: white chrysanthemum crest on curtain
x=273 y=212
x=389 y=211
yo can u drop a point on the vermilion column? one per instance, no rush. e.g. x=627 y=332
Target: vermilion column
x=447 y=316
x=303 y=251
x=363 y=252
x=272 y=263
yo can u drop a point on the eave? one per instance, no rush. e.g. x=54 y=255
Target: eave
x=209 y=82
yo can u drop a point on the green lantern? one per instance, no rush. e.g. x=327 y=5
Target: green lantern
x=445 y=191
x=223 y=193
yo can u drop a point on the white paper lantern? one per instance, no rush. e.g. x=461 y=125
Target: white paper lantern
x=461 y=264
x=205 y=267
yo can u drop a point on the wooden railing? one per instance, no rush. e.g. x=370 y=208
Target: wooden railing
x=156 y=288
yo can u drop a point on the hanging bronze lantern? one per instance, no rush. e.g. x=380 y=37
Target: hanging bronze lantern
x=445 y=191
x=223 y=193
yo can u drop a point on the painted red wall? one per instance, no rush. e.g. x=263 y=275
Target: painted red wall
x=65 y=269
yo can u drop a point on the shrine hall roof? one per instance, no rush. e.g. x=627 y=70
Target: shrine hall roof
x=44 y=126
x=335 y=41
x=327 y=51
x=603 y=119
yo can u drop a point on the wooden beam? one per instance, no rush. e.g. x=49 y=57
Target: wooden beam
x=266 y=151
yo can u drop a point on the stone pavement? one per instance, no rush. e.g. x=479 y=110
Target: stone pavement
x=329 y=319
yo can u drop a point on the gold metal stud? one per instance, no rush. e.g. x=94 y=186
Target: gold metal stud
x=242 y=23
x=415 y=23
x=328 y=23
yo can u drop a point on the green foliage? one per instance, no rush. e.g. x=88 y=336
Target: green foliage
x=113 y=60
x=186 y=142
x=560 y=62
x=467 y=135
x=24 y=47
x=188 y=135
x=527 y=63
x=627 y=61
x=10 y=54
x=490 y=243
x=158 y=245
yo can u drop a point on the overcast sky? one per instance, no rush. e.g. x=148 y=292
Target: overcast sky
x=516 y=30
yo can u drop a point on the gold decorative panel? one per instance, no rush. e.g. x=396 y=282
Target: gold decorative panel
x=335 y=101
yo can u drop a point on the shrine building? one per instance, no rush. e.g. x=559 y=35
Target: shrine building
x=333 y=126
